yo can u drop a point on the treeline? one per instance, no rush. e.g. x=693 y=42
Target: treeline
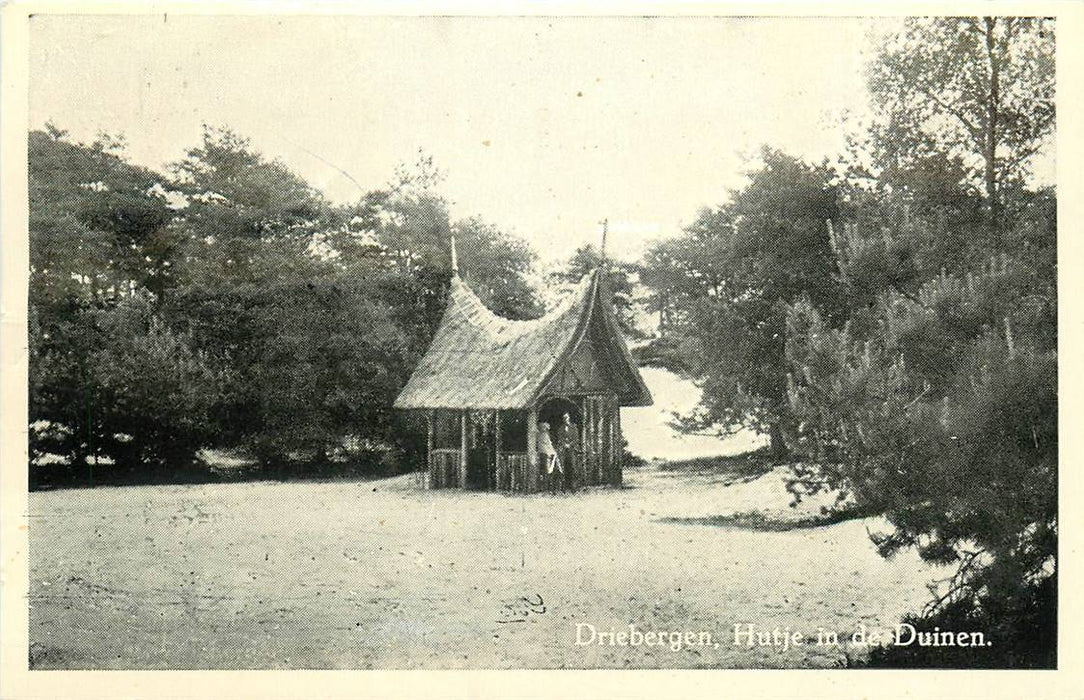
x=891 y=322
x=227 y=304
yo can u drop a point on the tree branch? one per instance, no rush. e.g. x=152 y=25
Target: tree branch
x=1020 y=157
x=954 y=112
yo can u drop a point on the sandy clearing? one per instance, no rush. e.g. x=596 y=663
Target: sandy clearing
x=648 y=430
x=384 y=575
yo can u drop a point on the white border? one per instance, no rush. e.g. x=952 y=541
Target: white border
x=17 y=682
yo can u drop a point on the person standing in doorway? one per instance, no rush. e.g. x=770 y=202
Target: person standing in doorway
x=568 y=444
x=551 y=463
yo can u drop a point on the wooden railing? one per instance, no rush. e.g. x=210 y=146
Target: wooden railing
x=585 y=469
x=512 y=471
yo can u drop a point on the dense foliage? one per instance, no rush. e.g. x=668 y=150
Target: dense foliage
x=728 y=281
x=893 y=322
x=228 y=305
x=977 y=89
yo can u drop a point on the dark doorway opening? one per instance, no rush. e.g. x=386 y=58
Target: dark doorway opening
x=553 y=411
x=479 y=467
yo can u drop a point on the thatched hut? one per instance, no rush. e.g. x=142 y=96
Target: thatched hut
x=487 y=382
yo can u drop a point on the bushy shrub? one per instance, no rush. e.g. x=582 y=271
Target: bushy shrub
x=1021 y=630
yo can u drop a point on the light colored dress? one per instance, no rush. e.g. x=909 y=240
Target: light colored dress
x=546 y=449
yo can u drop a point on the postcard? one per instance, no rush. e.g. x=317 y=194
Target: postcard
x=540 y=351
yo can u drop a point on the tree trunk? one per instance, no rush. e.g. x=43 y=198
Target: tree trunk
x=778 y=445
x=463 y=447
x=531 y=484
x=992 y=118
x=79 y=466
x=429 y=443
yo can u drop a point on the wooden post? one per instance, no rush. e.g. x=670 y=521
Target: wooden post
x=599 y=439
x=602 y=249
x=588 y=455
x=429 y=448
x=604 y=438
x=463 y=449
x=583 y=442
x=497 y=450
x=619 y=447
x=592 y=438
x=614 y=446
x=611 y=434
x=532 y=450
x=585 y=436
x=591 y=448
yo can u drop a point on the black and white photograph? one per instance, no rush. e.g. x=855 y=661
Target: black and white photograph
x=537 y=342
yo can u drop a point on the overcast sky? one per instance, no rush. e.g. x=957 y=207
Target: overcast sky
x=544 y=125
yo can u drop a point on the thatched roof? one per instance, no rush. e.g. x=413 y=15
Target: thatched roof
x=479 y=360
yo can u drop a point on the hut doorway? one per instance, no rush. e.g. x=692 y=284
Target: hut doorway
x=567 y=439
x=553 y=411
x=481 y=453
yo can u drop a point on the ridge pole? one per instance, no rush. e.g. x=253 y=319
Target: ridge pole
x=602 y=249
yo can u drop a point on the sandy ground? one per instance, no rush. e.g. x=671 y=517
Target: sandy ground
x=385 y=575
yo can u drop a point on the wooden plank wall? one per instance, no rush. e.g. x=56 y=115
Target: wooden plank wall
x=444 y=467
x=598 y=461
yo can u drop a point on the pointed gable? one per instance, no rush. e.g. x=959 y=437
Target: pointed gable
x=482 y=361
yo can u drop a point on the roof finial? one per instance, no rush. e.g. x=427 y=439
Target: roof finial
x=455 y=260
x=602 y=249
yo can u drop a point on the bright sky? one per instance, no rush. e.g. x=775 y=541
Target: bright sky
x=544 y=125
